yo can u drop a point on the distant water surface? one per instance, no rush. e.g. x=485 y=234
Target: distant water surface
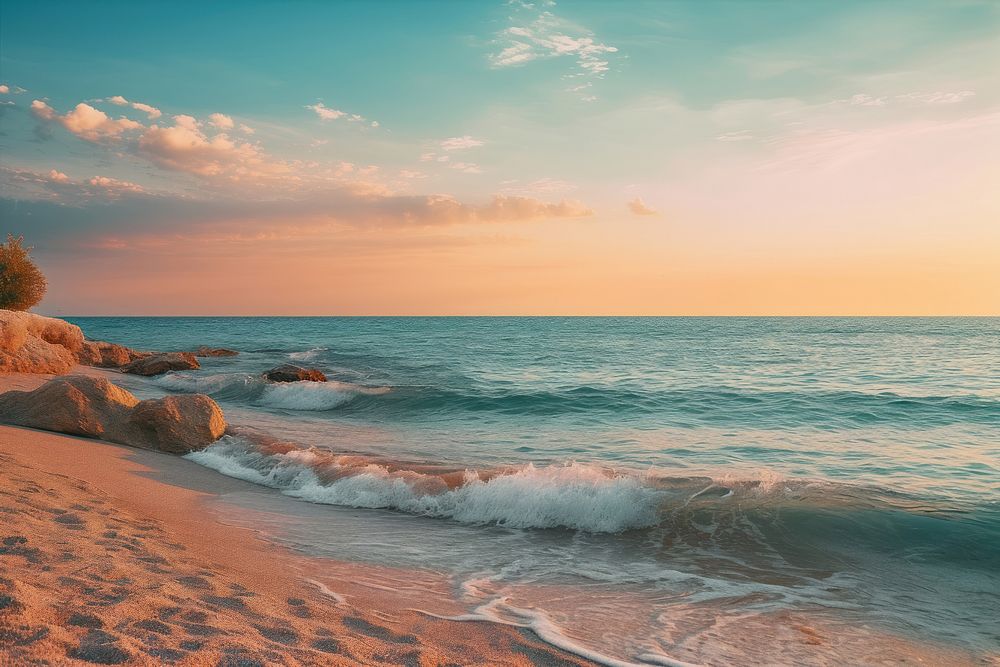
x=674 y=474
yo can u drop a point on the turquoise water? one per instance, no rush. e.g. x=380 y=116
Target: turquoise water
x=841 y=467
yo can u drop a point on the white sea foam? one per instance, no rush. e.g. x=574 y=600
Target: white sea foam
x=204 y=384
x=306 y=396
x=575 y=496
x=309 y=396
x=306 y=355
x=500 y=611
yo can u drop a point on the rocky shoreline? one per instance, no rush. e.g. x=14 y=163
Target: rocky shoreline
x=97 y=408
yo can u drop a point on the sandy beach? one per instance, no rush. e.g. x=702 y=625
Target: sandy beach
x=110 y=555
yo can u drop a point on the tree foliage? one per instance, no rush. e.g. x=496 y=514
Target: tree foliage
x=22 y=285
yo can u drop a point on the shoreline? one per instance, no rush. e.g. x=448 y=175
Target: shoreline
x=123 y=555
x=119 y=557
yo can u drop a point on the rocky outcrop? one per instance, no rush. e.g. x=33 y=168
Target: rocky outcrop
x=157 y=364
x=93 y=407
x=107 y=355
x=292 y=373
x=32 y=343
x=205 y=351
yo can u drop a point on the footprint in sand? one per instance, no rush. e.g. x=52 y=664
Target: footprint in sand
x=377 y=631
x=99 y=647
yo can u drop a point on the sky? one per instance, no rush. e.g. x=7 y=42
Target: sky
x=505 y=158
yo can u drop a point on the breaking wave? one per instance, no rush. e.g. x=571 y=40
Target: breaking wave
x=254 y=389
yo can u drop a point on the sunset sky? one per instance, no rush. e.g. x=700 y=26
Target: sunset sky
x=660 y=158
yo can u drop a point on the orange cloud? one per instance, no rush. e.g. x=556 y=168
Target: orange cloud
x=85 y=121
x=638 y=207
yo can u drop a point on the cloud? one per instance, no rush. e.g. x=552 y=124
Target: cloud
x=460 y=143
x=85 y=121
x=246 y=129
x=185 y=147
x=326 y=113
x=113 y=185
x=152 y=112
x=64 y=211
x=939 y=97
x=536 y=34
x=57 y=186
x=4 y=89
x=638 y=207
x=221 y=121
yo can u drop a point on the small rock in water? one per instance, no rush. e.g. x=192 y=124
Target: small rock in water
x=206 y=351
x=157 y=364
x=292 y=373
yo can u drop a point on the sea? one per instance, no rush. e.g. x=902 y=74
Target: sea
x=646 y=490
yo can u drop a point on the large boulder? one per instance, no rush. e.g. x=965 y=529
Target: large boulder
x=157 y=364
x=107 y=355
x=93 y=407
x=206 y=351
x=78 y=405
x=293 y=373
x=32 y=343
x=176 y=424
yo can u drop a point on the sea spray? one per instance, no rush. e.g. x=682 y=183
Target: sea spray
x=576 y=496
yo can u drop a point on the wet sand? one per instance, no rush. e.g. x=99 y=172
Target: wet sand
x=112 y=555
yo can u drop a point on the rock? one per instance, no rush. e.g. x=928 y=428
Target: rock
x=205 y=351
x=93 y=407
x=157 y=364
x=177 y=424
x=292 y=373
x=78 y=405
x=107 y=355
x=32 y=343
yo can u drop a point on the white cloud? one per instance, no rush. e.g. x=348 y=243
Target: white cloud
x=461 y=143
x=58 y=176
x=118 y=100
x=85 y=121
x=325 y=112
x=638 y=207
x=4 y=89
x=536 y=34
x=246 y=129
x=221 y=121
x=939 y=97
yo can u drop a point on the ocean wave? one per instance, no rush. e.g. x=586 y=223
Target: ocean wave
x=575 y=496
x=757 y=517
x=704 y=406
x=255 y=390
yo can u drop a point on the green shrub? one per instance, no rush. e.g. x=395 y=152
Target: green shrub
x=22 y=285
